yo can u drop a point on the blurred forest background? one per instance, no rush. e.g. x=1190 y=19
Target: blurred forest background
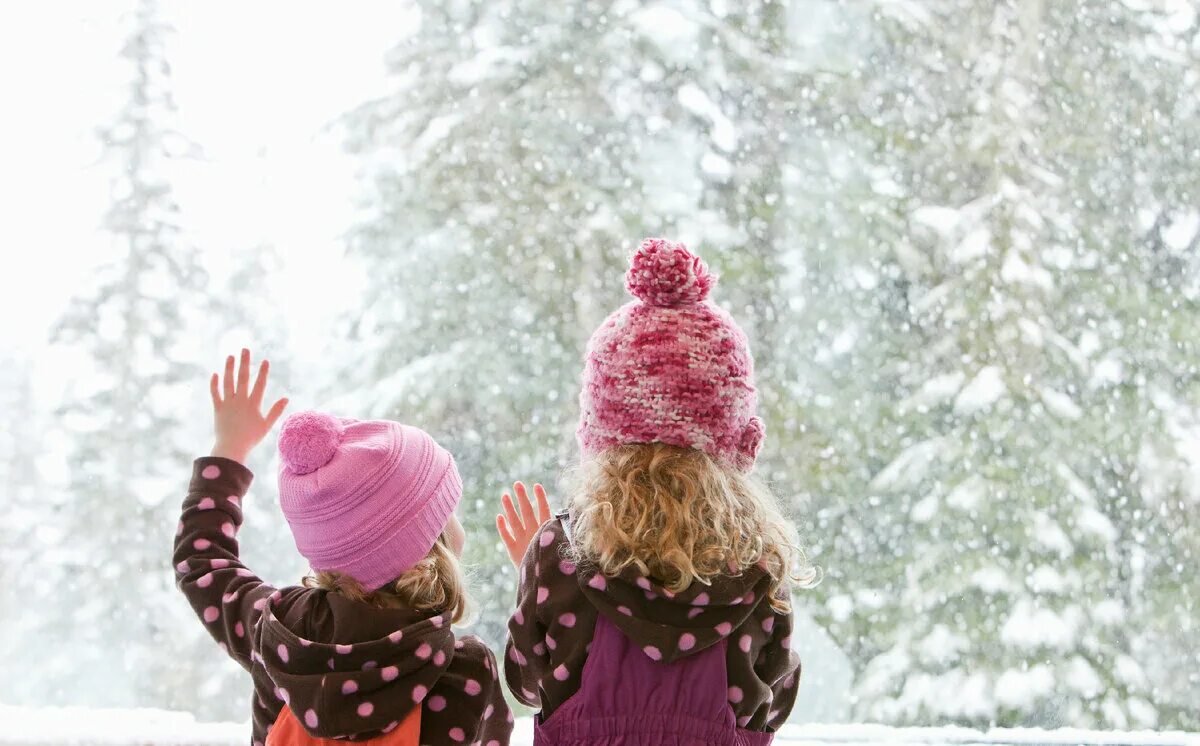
x=963 y=236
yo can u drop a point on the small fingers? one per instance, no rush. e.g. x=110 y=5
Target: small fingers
x=243 y=374
x=276 y=410
x=214 y=389
x=229 y=377
x=505 y=535
x=528 y=517
x=543 y=504
x=260 y=383
x=513 y=521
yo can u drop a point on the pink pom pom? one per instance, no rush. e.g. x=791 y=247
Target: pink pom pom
x=308 y=440
x=665 y=274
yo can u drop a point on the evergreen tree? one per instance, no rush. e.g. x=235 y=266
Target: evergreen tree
x=121 y=624
x=1011 y=499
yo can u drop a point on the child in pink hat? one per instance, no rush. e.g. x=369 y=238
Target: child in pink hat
x=364 y=649
x=657 y=607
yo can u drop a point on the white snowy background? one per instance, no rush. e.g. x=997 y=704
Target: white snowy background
x=964 y=237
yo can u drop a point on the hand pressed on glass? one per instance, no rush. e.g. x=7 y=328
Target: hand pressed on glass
x=237 y=411
x=518 y=527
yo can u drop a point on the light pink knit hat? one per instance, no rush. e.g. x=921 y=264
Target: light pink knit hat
x=670 y=367
x=367 y=498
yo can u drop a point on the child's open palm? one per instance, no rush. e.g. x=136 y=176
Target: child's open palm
x=518 y=527
x=237 y=410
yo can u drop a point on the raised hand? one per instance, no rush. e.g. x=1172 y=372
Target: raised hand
x=237 y=409
x=518 y=525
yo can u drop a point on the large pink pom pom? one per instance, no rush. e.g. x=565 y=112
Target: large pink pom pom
x=663 y=273
x=308 y=440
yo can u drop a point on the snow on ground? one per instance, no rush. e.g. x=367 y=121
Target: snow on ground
x=79 y=726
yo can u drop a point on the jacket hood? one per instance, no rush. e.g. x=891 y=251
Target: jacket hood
x=348 y=673
x=667 y=625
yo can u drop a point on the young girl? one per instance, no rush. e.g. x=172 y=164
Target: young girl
x=656 y=609
x=364 y=650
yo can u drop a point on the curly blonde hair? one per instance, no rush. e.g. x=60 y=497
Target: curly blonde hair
x=436 y=583
x=680 y=516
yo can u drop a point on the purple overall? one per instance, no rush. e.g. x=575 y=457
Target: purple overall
x=626 y=699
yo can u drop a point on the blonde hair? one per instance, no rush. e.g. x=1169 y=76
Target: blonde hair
x=436 y=583
x=679 y=516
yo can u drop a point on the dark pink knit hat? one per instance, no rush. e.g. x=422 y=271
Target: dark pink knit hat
x=367 y=498
x=670 y=367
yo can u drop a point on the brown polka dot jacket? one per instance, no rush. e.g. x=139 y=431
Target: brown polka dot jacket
x=557 y=607
x=344 y=669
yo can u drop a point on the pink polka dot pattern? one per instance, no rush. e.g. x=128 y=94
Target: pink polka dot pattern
x=693 y=613
x=735 y=694
x=283 y=652
x=625 y=610
x=643 y=583
x=723 y=629
x=436 y=703
x=561 y=673
x=389 y=673
x=211 y=614
x=457 y=734
x=228 y=529
x=204 y=580
x=369 y=665
x=652 y=653
x=472 y=687
x=687 y=641
x=539 y=648
x=423 y=651
x=212 y=471
x=239 y=629
x=219 y=563
x=516 y=657
x=201 y=544
x=551 y=643
x=701 y=600
x=396 y=636
x=598 y=582
x=419 y=693
x=744 y=643
x=349 y=686
x=365 y=709
x=439 y=658
x=543 y=593
x=310 y=718
x=519 y=616
x=182 y=567
x=206 y=504
x=488 y=712
x=567 y=620
x=235 y=500
x=566 y=567
x=343 y=649
x=768 y=624
x=546 y=539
